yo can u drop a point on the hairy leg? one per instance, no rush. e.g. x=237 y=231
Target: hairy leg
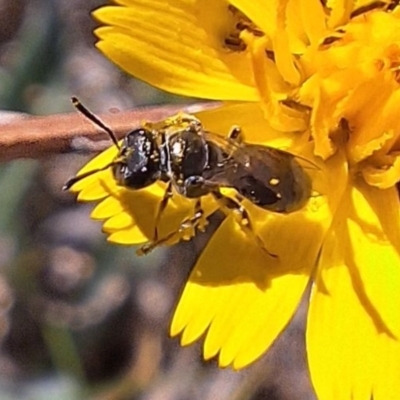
x=244 y=218
x=190 y=222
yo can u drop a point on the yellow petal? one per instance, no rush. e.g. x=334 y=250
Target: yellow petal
x=375 y=118
x=107 y=208
x=283 y=57
x=352 y=352
x=239 y=293
x=130 y=235
x=313 y=19
x=177 y=46
x=297 y=37
x=120 y=221
x=374 y=235
x=383 y=178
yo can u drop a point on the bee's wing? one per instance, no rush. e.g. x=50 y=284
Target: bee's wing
x=245 y=158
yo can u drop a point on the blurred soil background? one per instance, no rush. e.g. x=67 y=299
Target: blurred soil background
x=80 y=318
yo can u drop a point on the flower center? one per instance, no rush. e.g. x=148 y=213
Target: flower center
x=338 y=81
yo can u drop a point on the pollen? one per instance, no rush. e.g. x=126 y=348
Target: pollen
x=274 y=181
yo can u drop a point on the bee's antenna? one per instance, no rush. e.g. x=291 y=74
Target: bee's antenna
x=75 y=179
x=96 y=120
x=309 y=164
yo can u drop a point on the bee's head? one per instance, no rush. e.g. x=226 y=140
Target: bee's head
x=138 y=162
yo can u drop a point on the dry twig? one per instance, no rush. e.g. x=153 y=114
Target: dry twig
x=24 y=136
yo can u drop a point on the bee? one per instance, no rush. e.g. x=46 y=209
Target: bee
x=195 y=162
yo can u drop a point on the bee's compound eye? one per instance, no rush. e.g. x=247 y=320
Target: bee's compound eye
x=256 y=191
x=140 y=165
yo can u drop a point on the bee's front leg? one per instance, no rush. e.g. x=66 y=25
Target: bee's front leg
x=190 y=222
x=161 y=207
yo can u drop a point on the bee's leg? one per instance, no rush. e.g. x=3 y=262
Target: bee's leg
x=190 y=222
x=198 y=210
x=245 y=222
x=194 y=185
x=161 y=207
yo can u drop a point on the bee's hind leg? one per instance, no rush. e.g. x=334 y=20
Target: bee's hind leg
x=245 y=221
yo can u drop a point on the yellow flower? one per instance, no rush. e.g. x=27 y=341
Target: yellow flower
x=319 y=79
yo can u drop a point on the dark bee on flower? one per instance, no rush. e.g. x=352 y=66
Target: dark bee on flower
x=194 y=163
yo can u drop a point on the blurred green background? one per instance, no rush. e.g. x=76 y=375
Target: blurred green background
x=80 y=318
